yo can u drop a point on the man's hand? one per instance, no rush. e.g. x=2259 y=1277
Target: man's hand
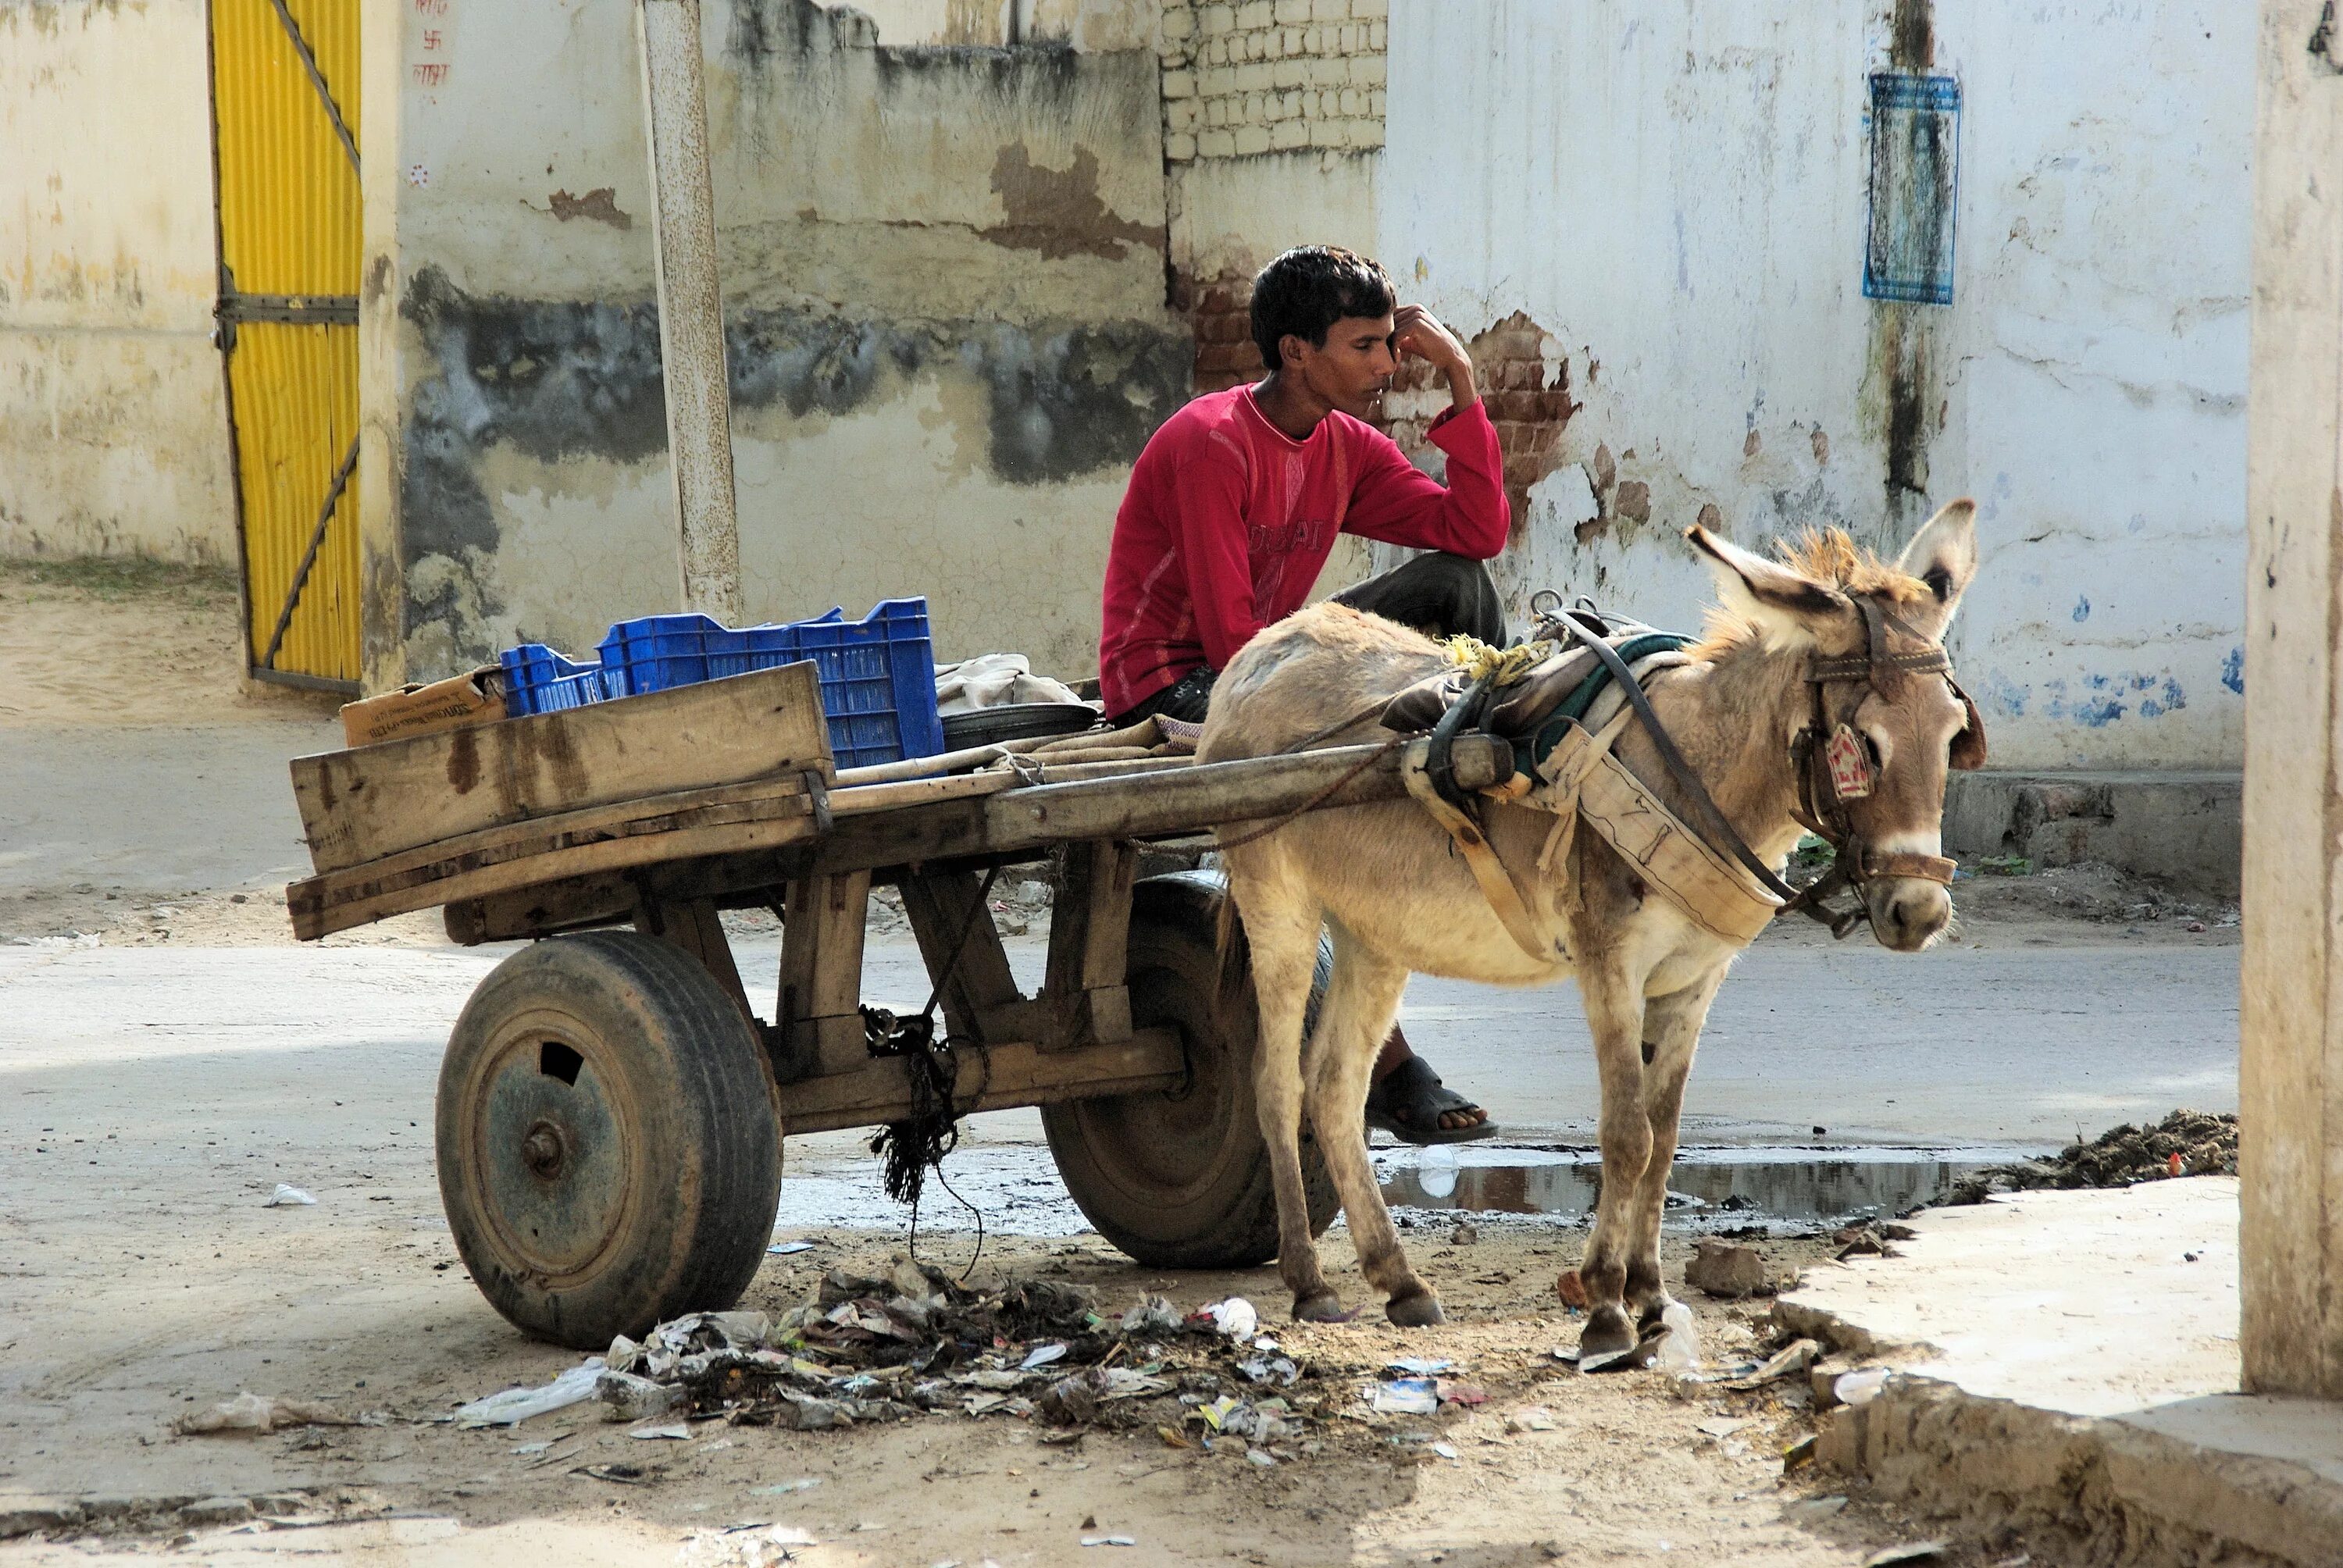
x=1415 y=330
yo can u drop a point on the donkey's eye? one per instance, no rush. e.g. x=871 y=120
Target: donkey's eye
x=1871 y=749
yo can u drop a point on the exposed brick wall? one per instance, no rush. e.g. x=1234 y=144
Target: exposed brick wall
x=1524 y=380
x=1271 y=75
x=1222 y=315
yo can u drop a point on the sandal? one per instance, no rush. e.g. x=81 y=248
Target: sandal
x=1409 y=1102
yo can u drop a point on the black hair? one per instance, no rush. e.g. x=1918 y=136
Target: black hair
x=1308 y=289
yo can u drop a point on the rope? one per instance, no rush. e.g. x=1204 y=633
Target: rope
x=917 y=1144
x=1498 y=666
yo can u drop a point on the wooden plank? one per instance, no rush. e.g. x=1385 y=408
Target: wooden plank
x=947 y=918
x=378 y=801
x=322 y=905
x=694 y=926
x=1224 y=792
x=994 y=827
x=1089 y=936
x=819 y=1006
x=856 y=801
x=1018 y=1073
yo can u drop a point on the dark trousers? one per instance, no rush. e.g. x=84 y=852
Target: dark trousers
x=1439 y=595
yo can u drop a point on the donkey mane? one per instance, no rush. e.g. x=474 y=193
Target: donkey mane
x=1829 y=556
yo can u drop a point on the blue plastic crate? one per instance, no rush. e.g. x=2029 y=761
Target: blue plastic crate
x=877 y=675
x=539 y=681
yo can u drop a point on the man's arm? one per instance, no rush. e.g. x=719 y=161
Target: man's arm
x=1394 y=501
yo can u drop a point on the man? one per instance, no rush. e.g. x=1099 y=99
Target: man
x=1234 y=507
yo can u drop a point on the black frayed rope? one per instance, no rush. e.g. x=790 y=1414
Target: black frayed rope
x=917 y=1144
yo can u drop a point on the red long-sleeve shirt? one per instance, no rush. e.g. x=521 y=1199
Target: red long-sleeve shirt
x=1228 y=520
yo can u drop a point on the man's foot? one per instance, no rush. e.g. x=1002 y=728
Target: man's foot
x=1409 y=1103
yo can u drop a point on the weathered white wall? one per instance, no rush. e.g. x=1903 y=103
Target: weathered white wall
x=1676 y=191
x=113 y=421
x=944 y=281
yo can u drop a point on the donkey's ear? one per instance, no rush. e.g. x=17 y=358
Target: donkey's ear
x=1787 y=606
x=1944 y=555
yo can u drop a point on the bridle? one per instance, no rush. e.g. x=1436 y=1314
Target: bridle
x=1832 y=765
x=1830 y=757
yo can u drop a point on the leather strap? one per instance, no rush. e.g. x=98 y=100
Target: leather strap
x=1712 y=822
x=1497 y=885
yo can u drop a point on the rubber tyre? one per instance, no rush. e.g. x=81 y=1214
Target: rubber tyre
x=608 y=1155
x=1179 y=1180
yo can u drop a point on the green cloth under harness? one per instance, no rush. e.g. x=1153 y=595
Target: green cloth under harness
x=1530 y=749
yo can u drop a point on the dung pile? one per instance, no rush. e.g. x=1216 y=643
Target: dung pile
x=914 y=1344
x=2185 y=1144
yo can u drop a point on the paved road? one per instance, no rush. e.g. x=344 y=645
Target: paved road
x=1958 y=1047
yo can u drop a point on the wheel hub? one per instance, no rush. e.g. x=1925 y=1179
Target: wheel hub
x=544 y=1149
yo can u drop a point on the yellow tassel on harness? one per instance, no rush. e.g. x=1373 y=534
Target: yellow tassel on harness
x=1498 y=666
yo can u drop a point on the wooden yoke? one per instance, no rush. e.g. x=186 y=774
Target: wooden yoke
x=1089 y=936
x=821 y=1005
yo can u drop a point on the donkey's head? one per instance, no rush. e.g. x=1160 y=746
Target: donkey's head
x=1883 y=721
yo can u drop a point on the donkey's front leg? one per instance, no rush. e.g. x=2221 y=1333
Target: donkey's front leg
x=1284 y=938
x=1615 y=1016
x=1672 y=1025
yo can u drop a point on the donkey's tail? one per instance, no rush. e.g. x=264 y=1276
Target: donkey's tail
x=1236 y=954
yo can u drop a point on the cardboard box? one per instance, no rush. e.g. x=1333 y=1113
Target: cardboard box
x=478 y=698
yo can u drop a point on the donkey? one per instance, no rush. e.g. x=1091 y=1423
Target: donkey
x=1383 y=880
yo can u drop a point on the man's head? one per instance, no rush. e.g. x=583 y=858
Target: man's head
x=1322 y=317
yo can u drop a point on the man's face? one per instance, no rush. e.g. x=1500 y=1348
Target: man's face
x=1354 y=369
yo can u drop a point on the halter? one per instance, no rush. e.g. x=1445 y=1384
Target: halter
x=1833 y=767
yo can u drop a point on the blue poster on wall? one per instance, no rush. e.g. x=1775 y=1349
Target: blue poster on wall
x=1915 y=186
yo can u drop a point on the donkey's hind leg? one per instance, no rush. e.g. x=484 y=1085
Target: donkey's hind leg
x=1672 y=1026
x=1281 y=925
x=1362 y=999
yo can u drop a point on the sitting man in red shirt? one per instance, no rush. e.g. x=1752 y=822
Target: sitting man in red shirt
x=1234 y=507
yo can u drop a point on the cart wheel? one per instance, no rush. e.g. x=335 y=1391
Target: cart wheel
x=608 y=1155
x=1179 y=1180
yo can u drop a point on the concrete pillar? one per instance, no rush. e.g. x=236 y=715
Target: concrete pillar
x=2291 y=1087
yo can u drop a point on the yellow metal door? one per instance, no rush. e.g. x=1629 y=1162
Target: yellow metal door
x=285 y=116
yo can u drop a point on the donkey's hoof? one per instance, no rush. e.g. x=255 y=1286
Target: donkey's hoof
x=1420 y=1310
x=1325 y=1307
x=1607 y=1333
x=1648 y=1318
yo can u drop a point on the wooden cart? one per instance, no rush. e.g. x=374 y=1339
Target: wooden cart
x=612 y=1103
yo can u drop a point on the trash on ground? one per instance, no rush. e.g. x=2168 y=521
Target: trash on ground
x=1234 y=1317
x=788 y=1249
x=287 y=1197
x=1109 y=1540
x=743 y=1546
x=1727 y=1270
x=2124 y=1155
x=1678 y=1354
x=1860 y=1388
x=1790 y=1360
x=673 y=1431
x=1464 y=1393
x=1800 y=1453
x=1444 y=1449
x=1915 y=1552
x=1405 y=1396
x=1418 y=1366
x=914 y=1342
x=1531 y=1417
x=251 y=1415
x=1817 y=1507
x=782 y=1488
x=514 y=1405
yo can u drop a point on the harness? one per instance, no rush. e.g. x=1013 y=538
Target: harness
x=1705 y=867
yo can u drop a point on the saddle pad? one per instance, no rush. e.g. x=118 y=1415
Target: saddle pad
x=1561 y=687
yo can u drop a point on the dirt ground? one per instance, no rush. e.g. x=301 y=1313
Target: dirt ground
x=148 y=1299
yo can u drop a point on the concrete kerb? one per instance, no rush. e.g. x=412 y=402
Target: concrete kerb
x=2057 y=1380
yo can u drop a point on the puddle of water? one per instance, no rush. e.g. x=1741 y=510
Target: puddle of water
x=1708 y=1188
x=1017 y=1187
